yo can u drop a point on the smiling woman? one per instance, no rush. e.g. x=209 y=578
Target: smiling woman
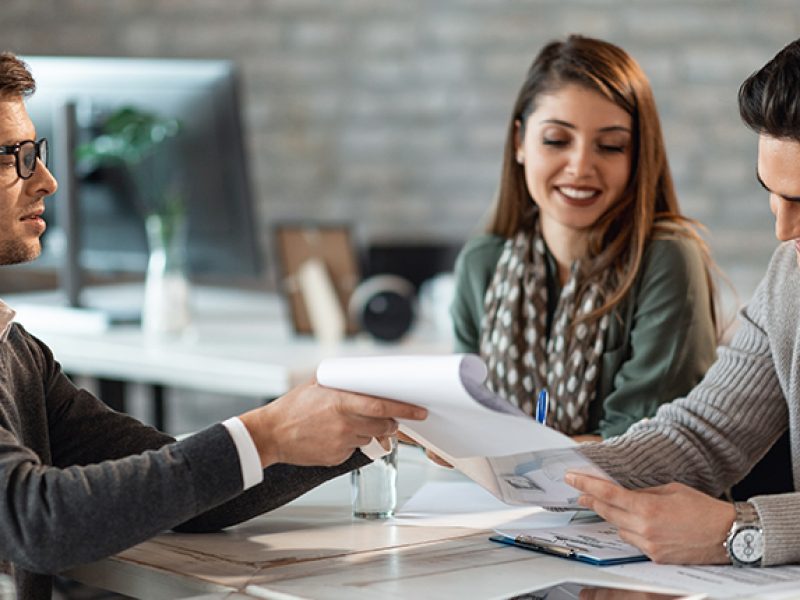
x=575 y=150
x=589 y=282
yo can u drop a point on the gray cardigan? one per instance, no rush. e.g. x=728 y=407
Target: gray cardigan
x=80 y=482
x=748 y=398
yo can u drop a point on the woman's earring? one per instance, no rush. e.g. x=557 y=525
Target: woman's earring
x=520 y=158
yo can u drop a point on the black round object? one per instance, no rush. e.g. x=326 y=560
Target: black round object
x=384 y=306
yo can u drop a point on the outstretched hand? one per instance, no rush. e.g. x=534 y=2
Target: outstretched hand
x=672 y=524
x=315 y=425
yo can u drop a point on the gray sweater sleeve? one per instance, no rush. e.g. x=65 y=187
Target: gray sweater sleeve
x=82 y=482
x=713 y=437
x=53 y=518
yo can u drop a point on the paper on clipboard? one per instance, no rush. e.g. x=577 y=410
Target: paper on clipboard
x=595 y=543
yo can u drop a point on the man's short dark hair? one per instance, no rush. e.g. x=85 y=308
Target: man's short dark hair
x=769 y=100
x=15 y=77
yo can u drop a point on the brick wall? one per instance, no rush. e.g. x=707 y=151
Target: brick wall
x=391 y=114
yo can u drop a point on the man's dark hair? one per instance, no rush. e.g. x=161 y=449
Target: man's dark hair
x=769 y=100
x=15 y=77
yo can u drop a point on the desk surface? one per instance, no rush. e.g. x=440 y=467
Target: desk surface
x=314 y=548
x=240 y=342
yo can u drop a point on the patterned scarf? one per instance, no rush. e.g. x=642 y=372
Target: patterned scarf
x=514 y=344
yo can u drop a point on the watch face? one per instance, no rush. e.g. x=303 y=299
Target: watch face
x=747 y=545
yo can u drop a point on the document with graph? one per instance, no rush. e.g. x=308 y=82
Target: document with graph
x=491 y=441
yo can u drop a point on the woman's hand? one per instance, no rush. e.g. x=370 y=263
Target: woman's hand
x=672 y=524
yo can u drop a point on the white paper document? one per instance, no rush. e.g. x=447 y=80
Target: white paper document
x=718 y=582
x=491 y=441
x=574 y=590
x=466 y=504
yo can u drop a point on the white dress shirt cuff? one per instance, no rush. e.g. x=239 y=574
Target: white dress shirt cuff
x=252 y=473
x=375 y=450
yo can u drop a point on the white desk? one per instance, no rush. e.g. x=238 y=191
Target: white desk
x=240 y=342
x=314 y=548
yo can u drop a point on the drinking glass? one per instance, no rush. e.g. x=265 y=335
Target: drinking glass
x=374 y=486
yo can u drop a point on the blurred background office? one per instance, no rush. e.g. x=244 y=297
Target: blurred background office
x=389 y=116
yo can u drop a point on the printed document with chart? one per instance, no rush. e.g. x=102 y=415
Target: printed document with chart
x=491 y=441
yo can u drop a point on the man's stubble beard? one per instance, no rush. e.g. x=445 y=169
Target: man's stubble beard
x=14 y=252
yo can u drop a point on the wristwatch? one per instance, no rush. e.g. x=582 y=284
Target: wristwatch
x=745 y=541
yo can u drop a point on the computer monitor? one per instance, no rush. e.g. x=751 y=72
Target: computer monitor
x=74 y=94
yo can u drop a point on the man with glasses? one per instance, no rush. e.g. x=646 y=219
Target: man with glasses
x=79 y=481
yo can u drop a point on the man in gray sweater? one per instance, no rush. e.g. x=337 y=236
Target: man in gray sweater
x=747 y=400
x=79 y=481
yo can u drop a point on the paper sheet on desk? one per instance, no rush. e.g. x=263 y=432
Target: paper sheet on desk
x=466 y=504
x=719 y=582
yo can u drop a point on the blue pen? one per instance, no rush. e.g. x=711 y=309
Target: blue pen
x=541 y=406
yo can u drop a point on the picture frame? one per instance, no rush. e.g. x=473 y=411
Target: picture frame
x=332 y=244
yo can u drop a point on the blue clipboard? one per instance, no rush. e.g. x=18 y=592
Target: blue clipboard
x=565 y=551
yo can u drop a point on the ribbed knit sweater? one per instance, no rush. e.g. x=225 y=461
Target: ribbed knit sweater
x=748 y=398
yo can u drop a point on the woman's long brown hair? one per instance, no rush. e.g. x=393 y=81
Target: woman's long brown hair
x=618 y=239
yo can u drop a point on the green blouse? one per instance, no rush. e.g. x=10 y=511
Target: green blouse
x=656 y=349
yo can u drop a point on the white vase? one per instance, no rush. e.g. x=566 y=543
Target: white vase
x=166 y=290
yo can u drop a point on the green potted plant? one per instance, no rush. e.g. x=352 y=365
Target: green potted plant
x=141 y=143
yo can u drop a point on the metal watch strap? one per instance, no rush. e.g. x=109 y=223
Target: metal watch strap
x=746 y=516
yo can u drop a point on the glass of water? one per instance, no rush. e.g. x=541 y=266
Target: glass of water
x=374 y=487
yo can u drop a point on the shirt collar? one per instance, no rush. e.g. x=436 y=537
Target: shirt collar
x=7 y=315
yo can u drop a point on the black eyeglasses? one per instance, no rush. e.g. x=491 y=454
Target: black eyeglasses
x=25 y=155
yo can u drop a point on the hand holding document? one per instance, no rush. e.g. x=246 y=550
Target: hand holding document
x=491 y=441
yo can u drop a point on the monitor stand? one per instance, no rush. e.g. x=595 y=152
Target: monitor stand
x=70 y=274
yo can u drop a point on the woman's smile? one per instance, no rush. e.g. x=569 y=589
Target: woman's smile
x=576 y=150
x=578 y=196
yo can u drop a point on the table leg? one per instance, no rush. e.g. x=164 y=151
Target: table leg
x=112 y=392
x=159 y=413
